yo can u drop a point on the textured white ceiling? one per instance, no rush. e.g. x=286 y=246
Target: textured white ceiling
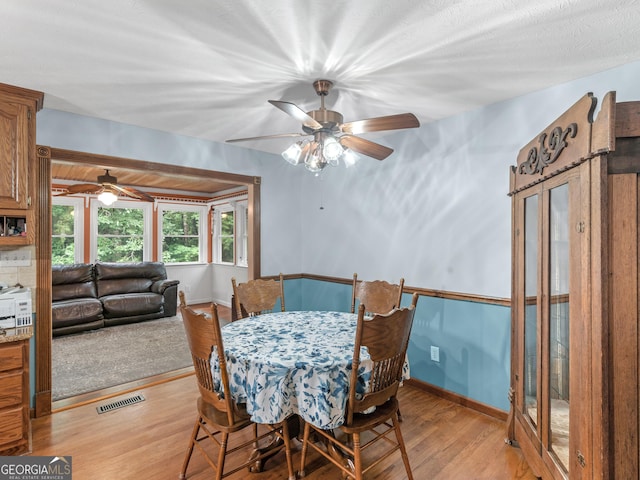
x=206 y=68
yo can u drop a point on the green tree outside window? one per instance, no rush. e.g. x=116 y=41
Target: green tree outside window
x=227 y=227
x=180 y=236
x=120 y=234
x=62 y=238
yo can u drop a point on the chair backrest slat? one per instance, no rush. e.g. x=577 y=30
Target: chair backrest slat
x=205 y=339
x=378 y=296
x=386 y=337
x=258 y=296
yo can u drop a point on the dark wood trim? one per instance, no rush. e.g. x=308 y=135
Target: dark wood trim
x=459 y=399
x=144 y=166
x=464 y=297
x=426 y=292
x=254 y=233
x=43 y=281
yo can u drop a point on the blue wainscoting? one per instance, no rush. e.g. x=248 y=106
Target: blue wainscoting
x=473 y=338
x=474 y=341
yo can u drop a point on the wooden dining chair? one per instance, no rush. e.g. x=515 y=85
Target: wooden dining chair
x=218 y=415
x=377 y=296
x=257 y=296
x=386 y=337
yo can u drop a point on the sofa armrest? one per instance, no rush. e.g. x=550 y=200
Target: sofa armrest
x=169 y=291
x=161 y=285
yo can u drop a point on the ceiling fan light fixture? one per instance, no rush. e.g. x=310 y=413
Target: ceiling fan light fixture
x=293 y=154
x=332 y=150
x=333 y=135
x=316 y=154
x=313 y=160
x=349 y=157
x=107 y=197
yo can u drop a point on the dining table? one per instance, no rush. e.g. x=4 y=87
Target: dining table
x=294 y=363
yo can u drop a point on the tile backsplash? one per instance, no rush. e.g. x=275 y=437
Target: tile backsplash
x=23 y=275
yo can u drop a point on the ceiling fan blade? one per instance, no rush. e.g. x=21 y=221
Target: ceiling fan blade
x=297 y=113
x=366 y=147
x=378 y=124
x=132 y=192
x=83 y=188
x=267 y=137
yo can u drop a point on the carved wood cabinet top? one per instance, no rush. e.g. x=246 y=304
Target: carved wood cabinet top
x=574 y=137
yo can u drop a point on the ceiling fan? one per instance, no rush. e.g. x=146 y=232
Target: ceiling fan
x=328 y=130
x=107 y=184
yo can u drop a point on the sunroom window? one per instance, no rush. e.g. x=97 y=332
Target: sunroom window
x=182 y=239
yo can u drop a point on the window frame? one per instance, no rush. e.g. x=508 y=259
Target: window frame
x=218 y=210
x=78 y=204
x=242 y=233
x=147 y=222
x=239 y=207
x=203 y=237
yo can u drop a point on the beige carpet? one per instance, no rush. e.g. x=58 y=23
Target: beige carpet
x=111 y=356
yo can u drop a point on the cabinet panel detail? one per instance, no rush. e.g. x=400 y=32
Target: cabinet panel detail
x=10 y=426
x=13 y=156
x=10 y=357
x=14 y=396
x=11 y=391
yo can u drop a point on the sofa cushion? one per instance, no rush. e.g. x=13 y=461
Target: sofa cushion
x=72 y=281
x=123 y=286
x=75 y=311
x=131 y=304
x=120 y=278
x=68 y=291
x=76 y=273
x=110 y=271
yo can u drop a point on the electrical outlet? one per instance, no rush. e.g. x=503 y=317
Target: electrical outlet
x=15 y=258
x=435 y=353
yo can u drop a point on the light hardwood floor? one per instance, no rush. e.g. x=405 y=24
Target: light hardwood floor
x=148 y=440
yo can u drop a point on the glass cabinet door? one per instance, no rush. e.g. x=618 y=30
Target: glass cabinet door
x=558 y=350
x=531 y=308
x=544 y=320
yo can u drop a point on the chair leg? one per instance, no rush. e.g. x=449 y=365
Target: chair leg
x=192 y=442
x=222 y=454
x=303 y=452
x=399 y=415
x=287 y=449
x=403 y=448
x=357 y=456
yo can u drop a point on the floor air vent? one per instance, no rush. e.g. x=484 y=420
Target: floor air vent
x=120 y=403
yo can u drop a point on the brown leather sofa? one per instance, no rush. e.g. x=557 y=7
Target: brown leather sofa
x=90 y=296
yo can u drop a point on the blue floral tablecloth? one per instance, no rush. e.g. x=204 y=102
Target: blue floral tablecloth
x=288 y=363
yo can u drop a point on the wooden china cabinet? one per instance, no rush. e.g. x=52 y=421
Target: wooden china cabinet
x=575 y=294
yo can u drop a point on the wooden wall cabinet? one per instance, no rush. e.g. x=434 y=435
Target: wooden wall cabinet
x=15 y=426
x=18 y=108
x=575 y=295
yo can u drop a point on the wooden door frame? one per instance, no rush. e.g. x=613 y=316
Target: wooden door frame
x=45 y=157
